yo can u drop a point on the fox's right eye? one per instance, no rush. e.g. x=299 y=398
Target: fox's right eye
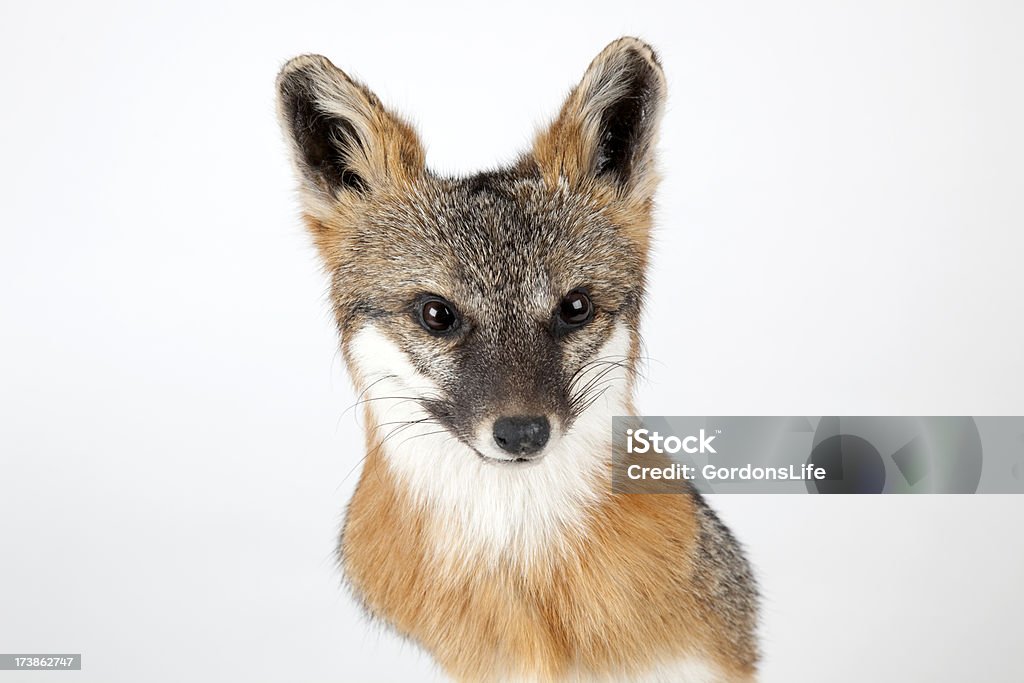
x=438 y=316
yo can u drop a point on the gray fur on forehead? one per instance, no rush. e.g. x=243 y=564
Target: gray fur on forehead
x=495 y=232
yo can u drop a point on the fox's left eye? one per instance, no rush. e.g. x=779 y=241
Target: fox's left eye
x=575 y=310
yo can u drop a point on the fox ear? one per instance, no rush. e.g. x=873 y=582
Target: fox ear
x=344 y=142
x=608 y=126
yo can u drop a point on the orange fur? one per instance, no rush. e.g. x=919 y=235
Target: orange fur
x=625 y=592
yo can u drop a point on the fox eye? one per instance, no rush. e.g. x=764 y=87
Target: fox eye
x=575 y=309
x=438 y=316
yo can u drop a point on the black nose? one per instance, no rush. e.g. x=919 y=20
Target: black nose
x=520 y=435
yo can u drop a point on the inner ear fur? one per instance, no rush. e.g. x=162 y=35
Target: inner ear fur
x=607 y=128
x=345 y=144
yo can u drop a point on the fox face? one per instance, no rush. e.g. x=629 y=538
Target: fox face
x=496 y=315
x=505 y=297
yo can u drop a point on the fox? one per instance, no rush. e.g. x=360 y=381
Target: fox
x=490 y=324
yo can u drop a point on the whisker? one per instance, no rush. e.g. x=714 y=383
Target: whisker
x=597 y=378
x=394 y=432
x=416 y=436
x=593 y=400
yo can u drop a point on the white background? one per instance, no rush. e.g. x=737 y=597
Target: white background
x=840 y=232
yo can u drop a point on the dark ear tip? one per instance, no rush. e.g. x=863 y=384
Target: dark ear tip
x=632 y=48
x=303 y=71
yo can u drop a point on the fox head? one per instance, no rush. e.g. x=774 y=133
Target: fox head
x=497 y=313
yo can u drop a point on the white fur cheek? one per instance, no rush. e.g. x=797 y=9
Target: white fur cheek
x=482 y=508
x=390 y=387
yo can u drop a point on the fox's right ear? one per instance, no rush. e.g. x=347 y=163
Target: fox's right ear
x=345 y=144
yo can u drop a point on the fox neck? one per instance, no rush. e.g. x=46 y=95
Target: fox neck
x=472 y=509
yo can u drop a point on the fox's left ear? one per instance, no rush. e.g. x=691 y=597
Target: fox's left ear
x=608 y=126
